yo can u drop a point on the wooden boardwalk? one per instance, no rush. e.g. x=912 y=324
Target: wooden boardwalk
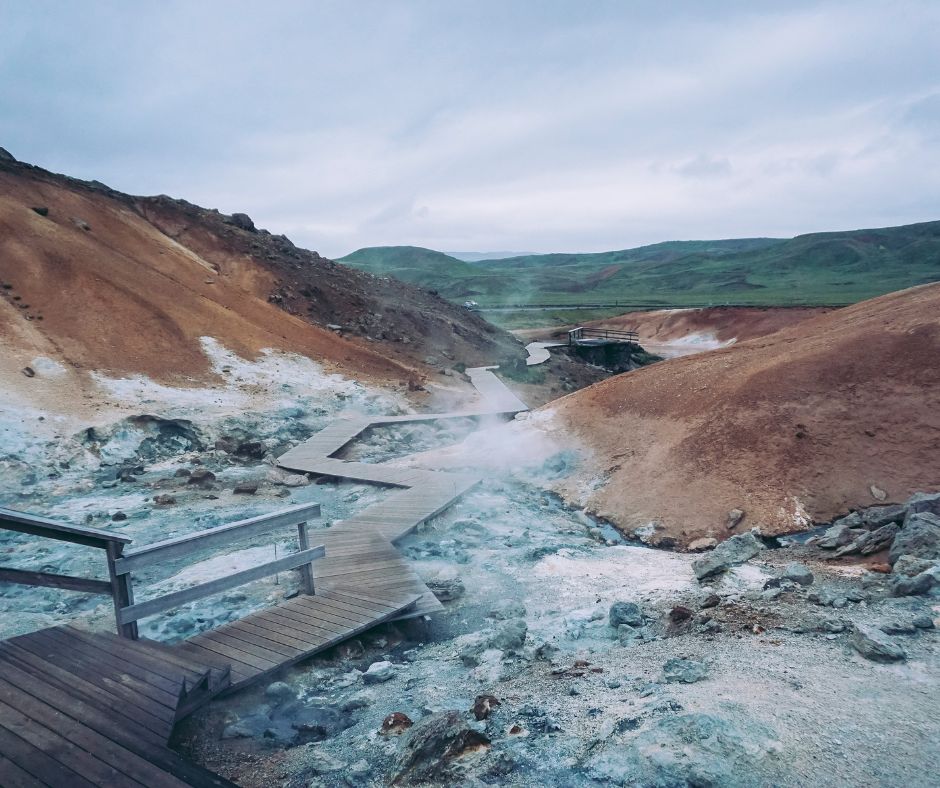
x=84 y=709
x=93 y=709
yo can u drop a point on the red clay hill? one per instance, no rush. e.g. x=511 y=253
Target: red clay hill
x=105 y=281
x=792 y=427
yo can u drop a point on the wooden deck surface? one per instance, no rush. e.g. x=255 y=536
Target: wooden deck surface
x=83 y=709
x=92 y=709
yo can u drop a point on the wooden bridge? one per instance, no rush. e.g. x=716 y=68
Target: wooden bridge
x=585 y=335
x=81 y=708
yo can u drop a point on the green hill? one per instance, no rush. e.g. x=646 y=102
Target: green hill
x=819 y=268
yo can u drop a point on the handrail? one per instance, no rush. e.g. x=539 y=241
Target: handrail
x=132 y=613
x=35 y=525
x=127 y=612
x=576 y=334
x=26 y=523
x=119 y=585
x=210 y=537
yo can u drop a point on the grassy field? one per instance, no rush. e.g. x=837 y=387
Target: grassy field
x=816 y=269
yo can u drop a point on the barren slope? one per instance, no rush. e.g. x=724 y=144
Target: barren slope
x=791 y=427
x=103 y=281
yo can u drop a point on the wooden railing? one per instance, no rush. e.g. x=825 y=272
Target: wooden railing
x=24 y=523
x=120 y=565
x=584 y=332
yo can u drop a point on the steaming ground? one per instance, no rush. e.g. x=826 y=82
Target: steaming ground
x=528 y=583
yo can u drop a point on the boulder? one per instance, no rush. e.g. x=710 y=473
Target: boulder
x=877 y=493
x=923 y=502
x=923 y=621
x=700 y=545
x=279 y=692
x=690 y=750
x=920 y=537
x=880 y=538
x=918 y=585
x=378 y=672
x=447 y=589
x=839 y=535
x=628 y=613
x=909 y=565
x=243 y=222
x=510 y=635
x=875 y=645
x=736 y=550
x=798 y=573
x=684 y=671
x=877 y=516
x=201 y=478
x=245 y=488
x=734 y=518
x=430 y=749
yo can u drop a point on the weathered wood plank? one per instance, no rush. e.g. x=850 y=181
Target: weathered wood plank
x=50 y=580
x=35 y=525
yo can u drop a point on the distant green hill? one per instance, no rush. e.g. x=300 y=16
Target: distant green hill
x=819 y=268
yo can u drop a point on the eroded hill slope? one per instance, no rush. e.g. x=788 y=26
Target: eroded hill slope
x=791 y=427
x=103 y=281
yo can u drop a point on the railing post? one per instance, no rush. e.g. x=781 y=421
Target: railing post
x=122 y=593
x=306 y=571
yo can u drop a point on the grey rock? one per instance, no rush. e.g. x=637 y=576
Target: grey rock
x=918 y=585
x=875 y=645
x=909 y=565
x=5 y=155
x=279 y=692
x=898 y=628
x=510 y=635
x=628 y=635
x=736 y=550
x=629 y=613
x=243 y=221
x=689 y=750
x=880 y=538
x=685 y=671
x=378 y=672
x=447 y=589
x=839 y=536
x=923 y=621
x=735 y=516
x=798 y=573
x=868 y=542
x=877 y=493
x=920 y=537
x=876 y=516
x=431 y=749
x=923 y=502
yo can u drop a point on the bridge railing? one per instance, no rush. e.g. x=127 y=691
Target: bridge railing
x=120 y=564
x=130 y=612
x=575 y=335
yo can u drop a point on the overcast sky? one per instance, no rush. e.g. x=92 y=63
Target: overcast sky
x=533 y=126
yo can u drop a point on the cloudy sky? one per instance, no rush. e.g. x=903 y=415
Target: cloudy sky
x=530 y=125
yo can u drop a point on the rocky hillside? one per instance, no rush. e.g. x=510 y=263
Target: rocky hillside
x=834 y=413
x=104 y=281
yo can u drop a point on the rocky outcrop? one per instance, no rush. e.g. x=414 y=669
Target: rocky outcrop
x=432 y=749
x=736 y=550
